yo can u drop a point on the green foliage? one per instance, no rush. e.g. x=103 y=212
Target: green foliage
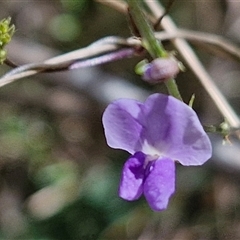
x=6 y=33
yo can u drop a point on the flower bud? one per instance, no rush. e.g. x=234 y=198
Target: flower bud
x=6 y=32
x=160 y=70
x=3 y=55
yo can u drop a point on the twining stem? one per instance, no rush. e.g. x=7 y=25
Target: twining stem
x=153 y=46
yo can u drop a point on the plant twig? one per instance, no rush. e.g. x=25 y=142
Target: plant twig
x=102 y=46
x=111 y=44
x=10 y=63
x=149 y=41
x=167 y=9
x=196 y=37
x=63 y=61
x=193 y=36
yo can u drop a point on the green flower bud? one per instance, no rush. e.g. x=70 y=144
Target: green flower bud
x=6 y=32
x=3 y=55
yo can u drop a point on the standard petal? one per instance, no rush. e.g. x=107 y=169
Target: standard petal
x=121 y=125
x=173 y=128
x=159 y=185
x=131 y=183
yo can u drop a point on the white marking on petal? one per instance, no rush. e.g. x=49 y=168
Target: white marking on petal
x=150 y=150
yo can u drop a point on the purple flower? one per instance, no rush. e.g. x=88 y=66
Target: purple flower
x=157 y=133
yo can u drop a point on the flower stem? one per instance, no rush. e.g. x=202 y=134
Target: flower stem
x=153 y=46
x=173 y=88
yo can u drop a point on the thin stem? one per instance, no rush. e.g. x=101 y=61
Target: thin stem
x=167 y=9
x=212 y=41
x=10 y=63
x=154 y=47
x=172 y=88
x=63 y=60
x=110 y=57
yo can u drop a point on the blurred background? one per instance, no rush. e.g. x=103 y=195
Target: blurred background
x=58 y=178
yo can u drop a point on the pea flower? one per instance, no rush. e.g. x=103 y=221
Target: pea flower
x=156 y=133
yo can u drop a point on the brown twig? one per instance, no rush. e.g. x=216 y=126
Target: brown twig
x=61 y=61
x=109 y=44
x=202 y=38
x=10 y=63
x=167 y=9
